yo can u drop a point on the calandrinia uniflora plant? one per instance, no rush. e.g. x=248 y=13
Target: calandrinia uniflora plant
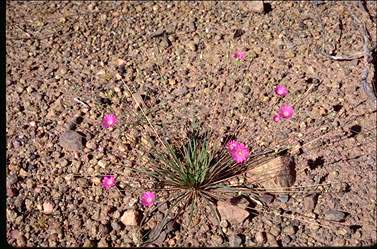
x=198 y=173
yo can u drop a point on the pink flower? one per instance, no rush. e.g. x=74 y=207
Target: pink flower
x=281 y=90
x=286 y=111
x=238 y=151
x=147 y=199
x=276 y=118
x=231 y=145
x=239 y=55
x=108 y=181
x=109 y=120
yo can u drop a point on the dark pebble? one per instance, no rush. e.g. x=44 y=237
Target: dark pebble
x=268 y=198
x=16 y=144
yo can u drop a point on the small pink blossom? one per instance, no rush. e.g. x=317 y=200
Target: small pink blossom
x=239 y=55
x=231 y=145
x=109 y=120
x=276 y=118
x=147 y=199
x=281 y=90
x=286 y=111
x=108 y=181
x=239 y=152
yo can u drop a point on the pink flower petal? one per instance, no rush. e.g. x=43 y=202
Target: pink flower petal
x=109 y=120
x=238 y=151
x=286 y=111
x=239 y=55
x=281 y=90
x=108 y=182
x=231 y=145
x=148 y=199
x=276 y=118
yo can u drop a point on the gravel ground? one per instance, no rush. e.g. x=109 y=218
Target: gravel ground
x=62 y=77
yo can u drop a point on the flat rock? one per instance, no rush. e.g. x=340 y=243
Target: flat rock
x=310 y=202
x=71 y=140
x=335 y=215
x=130 y=218
x=233 y=213
x=283 y=198
x=255 y=6
x=286 y=176
x=277 y=173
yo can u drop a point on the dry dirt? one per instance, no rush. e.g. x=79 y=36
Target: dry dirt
x=178 y=60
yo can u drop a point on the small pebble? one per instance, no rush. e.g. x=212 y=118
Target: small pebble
x=192 y=46
x=224 y=223
x=63 y=162
x=29 y=183
x=289 y=230
x=102 y=163
x=268 y=198
x=260 y=237
x=275 y=230
x=122 y=148
x=48 y=208
x=309 y=202
x=130 y=218
x=23 y=173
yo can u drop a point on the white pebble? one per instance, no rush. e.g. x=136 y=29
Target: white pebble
x=48 y=208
